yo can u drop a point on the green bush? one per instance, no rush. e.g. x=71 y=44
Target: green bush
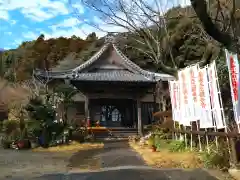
x=216 y=158
x=163 y=133
x=177 y=146
x=9 y=126
x=158 y=141
x=33 y=128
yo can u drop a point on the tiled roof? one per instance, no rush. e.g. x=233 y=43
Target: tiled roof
x=113 y=75
x=138 y=74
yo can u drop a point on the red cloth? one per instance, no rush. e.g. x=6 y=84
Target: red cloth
x=88 y=123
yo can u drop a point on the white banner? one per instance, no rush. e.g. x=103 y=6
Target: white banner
x=204 y=100
x=215 y=97
x=233 y=67
x=173 y=98
x=174 y=95
x=193 y=70
x=184 y=94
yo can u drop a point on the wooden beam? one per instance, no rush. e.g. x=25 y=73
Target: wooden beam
x=139 y=113
x=86 y=107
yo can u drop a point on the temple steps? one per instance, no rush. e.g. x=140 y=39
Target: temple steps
x=116 y=133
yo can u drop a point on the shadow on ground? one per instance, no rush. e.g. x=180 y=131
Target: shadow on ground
x=136 y=174
x=113 y=154
x=117 y=161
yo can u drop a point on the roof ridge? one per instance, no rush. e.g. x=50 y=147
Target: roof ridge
x=92 y=59
x=132 y=64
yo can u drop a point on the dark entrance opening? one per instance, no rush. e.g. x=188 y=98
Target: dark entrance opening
x=113 y=112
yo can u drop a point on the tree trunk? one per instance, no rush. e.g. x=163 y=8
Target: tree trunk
x=200 y=7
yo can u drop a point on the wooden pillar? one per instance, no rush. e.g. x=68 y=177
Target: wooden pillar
x=87 y=114
x=155 y=102
x=139 y=114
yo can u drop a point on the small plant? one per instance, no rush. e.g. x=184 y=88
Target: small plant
x=216 y=158
x=177 y=146
x=151 y=141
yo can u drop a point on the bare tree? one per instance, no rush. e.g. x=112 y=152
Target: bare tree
x=145 y=23
x=223 y=25
x=144 y=19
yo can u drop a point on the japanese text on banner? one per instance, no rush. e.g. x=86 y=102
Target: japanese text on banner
x=194 y=92
x=184 y=105
x=233 y=67
x=204 y=100
x=174 y=90
x=215 y=96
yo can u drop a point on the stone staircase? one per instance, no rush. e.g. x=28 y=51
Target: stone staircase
x=116 y=133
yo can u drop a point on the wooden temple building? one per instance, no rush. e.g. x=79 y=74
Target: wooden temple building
x=112 y=89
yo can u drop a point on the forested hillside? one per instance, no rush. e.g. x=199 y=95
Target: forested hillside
x=185 y=42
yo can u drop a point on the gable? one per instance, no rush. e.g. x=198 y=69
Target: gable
x=107 y=61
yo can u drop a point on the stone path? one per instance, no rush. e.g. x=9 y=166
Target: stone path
x=115 y=161
x=136 y=174
x=112 y=155
x=118 y=161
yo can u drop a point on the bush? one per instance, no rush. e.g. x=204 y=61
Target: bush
x=9 y=126
x=6 y=144
x=177 y=146
x=216 y=158
x=33 y=128
x=78 y=135
x=157 y=141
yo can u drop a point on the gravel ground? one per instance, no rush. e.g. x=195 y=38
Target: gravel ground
x=28 y=164
x=134 y=174
x=115 y=161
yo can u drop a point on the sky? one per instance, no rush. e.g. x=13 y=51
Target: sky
x=25 y=20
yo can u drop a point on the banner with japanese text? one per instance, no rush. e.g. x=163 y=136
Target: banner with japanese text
x=193 y=70
x=233 y=68
x=183 y=77
x=215 y=95
x=206 y=120
x=175 y=101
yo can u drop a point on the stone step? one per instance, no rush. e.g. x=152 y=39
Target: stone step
x=115 y=134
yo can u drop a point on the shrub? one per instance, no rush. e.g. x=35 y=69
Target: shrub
x=216 y=158
x=177 y=146
x=33 y=128
x=78 y=135
x=9 y=126
x=157 y=141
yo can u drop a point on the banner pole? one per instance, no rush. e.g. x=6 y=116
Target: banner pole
x=207 y=141
x=185 y=137
x=221 y=106
x=210 y=88
x=191 y=137
x=199 y=138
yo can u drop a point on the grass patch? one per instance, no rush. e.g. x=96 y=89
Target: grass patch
x=72 y=147
x=168 y=159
